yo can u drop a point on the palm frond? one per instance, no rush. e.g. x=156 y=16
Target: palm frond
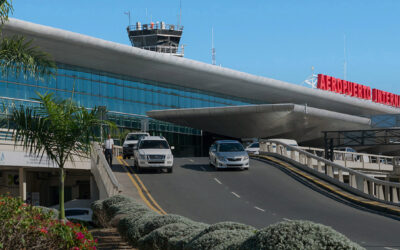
x=5 y=9
x=19 y=56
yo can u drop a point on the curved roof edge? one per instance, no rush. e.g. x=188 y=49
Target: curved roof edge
x=85 y=51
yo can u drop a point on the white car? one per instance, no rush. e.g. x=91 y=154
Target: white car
x=130 y=143
x=228 y=154
x=153 y=152
x=83 y=214
x=253 y=148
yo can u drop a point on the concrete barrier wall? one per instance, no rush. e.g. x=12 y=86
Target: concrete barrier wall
x=369 y=187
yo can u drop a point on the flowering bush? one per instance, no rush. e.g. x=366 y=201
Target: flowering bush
x=23 y=226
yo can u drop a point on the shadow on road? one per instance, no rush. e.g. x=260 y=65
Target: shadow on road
x=208 y=168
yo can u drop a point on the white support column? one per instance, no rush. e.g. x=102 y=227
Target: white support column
x=22 y=183
x=340 y=173
x=395 y=195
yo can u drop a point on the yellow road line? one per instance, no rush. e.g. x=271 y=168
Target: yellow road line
x=146 y=191
x=329 y=187
x=138 y=188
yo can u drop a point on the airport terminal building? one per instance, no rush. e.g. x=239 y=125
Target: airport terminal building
x=187 y=101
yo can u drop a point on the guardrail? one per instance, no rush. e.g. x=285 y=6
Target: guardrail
x=360 y=161
x=105 y=178
x=331 y=171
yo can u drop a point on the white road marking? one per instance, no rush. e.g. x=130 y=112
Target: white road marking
x=203 y=168
x=191 y=160
x=217 y=181
x=262 y=210
x=389 y=248
x=235 y=194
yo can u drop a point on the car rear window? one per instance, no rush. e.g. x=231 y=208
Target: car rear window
x=154 y=144
x=230 y=147
x=255 y=145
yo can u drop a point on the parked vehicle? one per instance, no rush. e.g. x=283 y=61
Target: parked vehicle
x=253 y=148
x=228 y=154
x=83 y=214
x=153 y=152
x=130 y=142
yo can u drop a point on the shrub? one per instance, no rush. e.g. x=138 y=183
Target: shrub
x=227 y=225
x=172 y=236
x=123 y=208
x=99 y=216
x=221 y=235
x=128 y=226
x=24 y=227
x=220 y=240
x=159 y=221
x=52 y=211
x=298 y=235
x=116 y=199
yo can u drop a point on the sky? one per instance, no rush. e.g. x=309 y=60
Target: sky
x=280 y=39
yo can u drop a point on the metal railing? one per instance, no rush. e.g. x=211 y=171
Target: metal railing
x=106 y=182
x=347 y=178
x=360 y=161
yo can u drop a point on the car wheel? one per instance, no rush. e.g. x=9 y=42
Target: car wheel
x=129 y=157
x=169 y=170
x=124 y=157
x=138 y=169
x=210 y=162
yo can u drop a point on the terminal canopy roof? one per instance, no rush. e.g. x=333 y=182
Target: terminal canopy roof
x=299 y=122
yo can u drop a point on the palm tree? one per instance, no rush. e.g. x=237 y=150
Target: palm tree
x=19 y=56
x=58 y=128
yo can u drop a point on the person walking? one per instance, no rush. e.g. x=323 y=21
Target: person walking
x=109 y=148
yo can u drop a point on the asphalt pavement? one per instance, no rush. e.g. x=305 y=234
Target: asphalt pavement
x=261 y=196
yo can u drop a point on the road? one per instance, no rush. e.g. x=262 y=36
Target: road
x=259 y=197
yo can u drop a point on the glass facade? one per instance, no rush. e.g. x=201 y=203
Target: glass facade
x=127 y=99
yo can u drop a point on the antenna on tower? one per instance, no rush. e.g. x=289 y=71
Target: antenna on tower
x=345 y=61
x=129 y=16
x=214 y=62
x=311 y=80
x=180 y=14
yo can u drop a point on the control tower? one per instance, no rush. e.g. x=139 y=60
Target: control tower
x=158 y=37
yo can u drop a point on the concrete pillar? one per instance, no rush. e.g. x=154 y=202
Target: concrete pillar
x=381 y=196
x=329 y=171
x=320 y=167
x=366 y=186
x=22 y=183
x=387 y=193
x=309 y=162
x=395 y=198
x=353 y=181
x=340 y=173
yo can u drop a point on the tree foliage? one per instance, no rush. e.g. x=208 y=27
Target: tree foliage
x=57 y=128
x=19 y=56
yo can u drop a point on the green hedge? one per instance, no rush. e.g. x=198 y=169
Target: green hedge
x=298 y=235
x=147 y=230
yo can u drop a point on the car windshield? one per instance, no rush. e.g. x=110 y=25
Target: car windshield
x=135 y=137
x=230 y=147
x=255 y=145
x=154 y=144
